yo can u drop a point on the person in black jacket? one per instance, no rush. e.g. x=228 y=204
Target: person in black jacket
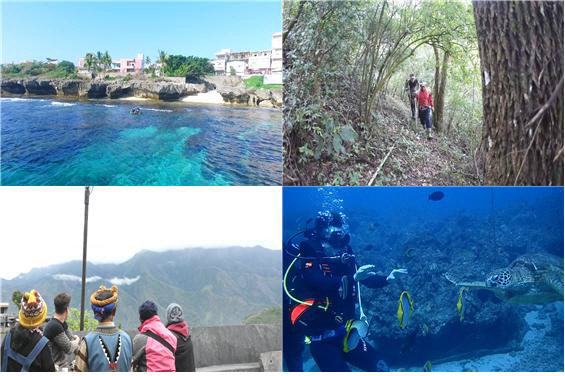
x=412 y=86
x=61 y=341
x=184 y=355
x=321 y=287
x=24 y=347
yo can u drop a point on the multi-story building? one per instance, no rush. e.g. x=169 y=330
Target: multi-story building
x=125 y=65
x=276 y=55
x=265 y=62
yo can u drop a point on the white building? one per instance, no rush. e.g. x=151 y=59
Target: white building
x=276 y=54
x=265 y=62
x=239 y=67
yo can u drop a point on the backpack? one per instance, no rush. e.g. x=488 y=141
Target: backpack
x=24 y=361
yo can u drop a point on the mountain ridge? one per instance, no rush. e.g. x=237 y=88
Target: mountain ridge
x=215 y=286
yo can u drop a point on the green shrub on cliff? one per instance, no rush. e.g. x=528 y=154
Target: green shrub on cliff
x=65 y=69
x=191 y=67
x=256 y=82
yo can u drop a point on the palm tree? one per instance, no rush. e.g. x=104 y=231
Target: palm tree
x=162 y=57
x=89 y=61
x=107 y=60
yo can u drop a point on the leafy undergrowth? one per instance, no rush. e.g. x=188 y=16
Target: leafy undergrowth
x=414 y=160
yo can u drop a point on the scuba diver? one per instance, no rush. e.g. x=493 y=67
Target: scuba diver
x=135 y=111
x=321 y=284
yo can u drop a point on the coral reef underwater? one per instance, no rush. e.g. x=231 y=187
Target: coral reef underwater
x=469 y=240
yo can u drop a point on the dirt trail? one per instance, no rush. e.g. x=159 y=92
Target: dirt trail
x=415 y=160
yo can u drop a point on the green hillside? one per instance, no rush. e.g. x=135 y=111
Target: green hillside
x=214 y=286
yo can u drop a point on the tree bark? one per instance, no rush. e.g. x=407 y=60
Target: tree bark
x=439 y=90
x=521 y=49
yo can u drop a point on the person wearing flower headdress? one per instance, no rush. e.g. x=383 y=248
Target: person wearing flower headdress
x=107 y=348
x=25 y=348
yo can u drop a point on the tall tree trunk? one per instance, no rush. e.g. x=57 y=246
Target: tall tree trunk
x=521 y=49
x=439 y=98
x=437 y=78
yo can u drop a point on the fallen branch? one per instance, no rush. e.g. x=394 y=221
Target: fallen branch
x=381 y=165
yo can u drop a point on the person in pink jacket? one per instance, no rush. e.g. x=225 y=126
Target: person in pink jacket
x=154 y=348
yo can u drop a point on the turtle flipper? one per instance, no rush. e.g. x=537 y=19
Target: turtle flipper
x=452 y=279
x=554 y=280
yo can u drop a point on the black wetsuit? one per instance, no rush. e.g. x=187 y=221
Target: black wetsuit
x=321 y=279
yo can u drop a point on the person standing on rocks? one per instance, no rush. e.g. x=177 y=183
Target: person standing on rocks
x=184 y=355
x=61 y=340
x=24 y=347
x=107 y=348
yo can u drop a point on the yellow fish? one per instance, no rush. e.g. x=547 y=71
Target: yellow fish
x=461 y=304
x=405 y=309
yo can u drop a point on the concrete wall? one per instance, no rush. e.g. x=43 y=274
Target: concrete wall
x=275 y=78
x=219 y=345
x=234 y=344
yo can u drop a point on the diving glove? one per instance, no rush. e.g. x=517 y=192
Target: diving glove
x=364 y=272
x=391 y=275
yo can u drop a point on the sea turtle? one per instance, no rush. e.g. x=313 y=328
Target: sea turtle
x=530 y=279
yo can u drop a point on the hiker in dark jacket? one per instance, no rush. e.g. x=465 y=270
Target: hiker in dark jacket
x=24 y=347
x=61 y=341
x=154 y=348
x=184 y=356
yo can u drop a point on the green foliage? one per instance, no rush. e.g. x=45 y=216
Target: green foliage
x=343 y=57
x=66 y=66
x=97 y=62
x=128 y=77
x=266 y=316
x=11 y=68
x=73 y=320
x=232 y=71
x=321 y=104
x=256 y=82
x=191 y=67
x=36 y=68
x=17 y=298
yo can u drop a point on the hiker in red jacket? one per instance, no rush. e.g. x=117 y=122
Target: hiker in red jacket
x=426 y=105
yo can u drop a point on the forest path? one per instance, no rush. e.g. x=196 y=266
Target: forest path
x=415 y=160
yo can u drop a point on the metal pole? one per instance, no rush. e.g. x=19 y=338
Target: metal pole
x=84 y=241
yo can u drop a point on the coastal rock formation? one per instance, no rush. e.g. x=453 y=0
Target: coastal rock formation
x=40 y=87
x=235 y=95
x=68 y=87
x=114 y=91
x=231 y=88
x=13 y=87
x=93 y=89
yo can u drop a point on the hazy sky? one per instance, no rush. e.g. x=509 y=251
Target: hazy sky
x=68 y=30
x=44 y=225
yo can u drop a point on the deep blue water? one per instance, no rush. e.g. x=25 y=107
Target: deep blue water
x=493 y=224
x=51 y=142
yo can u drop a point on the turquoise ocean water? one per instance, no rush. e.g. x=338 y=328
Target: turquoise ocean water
x=54 y=142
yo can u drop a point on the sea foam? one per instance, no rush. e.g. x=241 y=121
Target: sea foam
x=156 y=109
x=62 y=104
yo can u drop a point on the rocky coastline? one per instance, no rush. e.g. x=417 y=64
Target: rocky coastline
x=232 y=90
